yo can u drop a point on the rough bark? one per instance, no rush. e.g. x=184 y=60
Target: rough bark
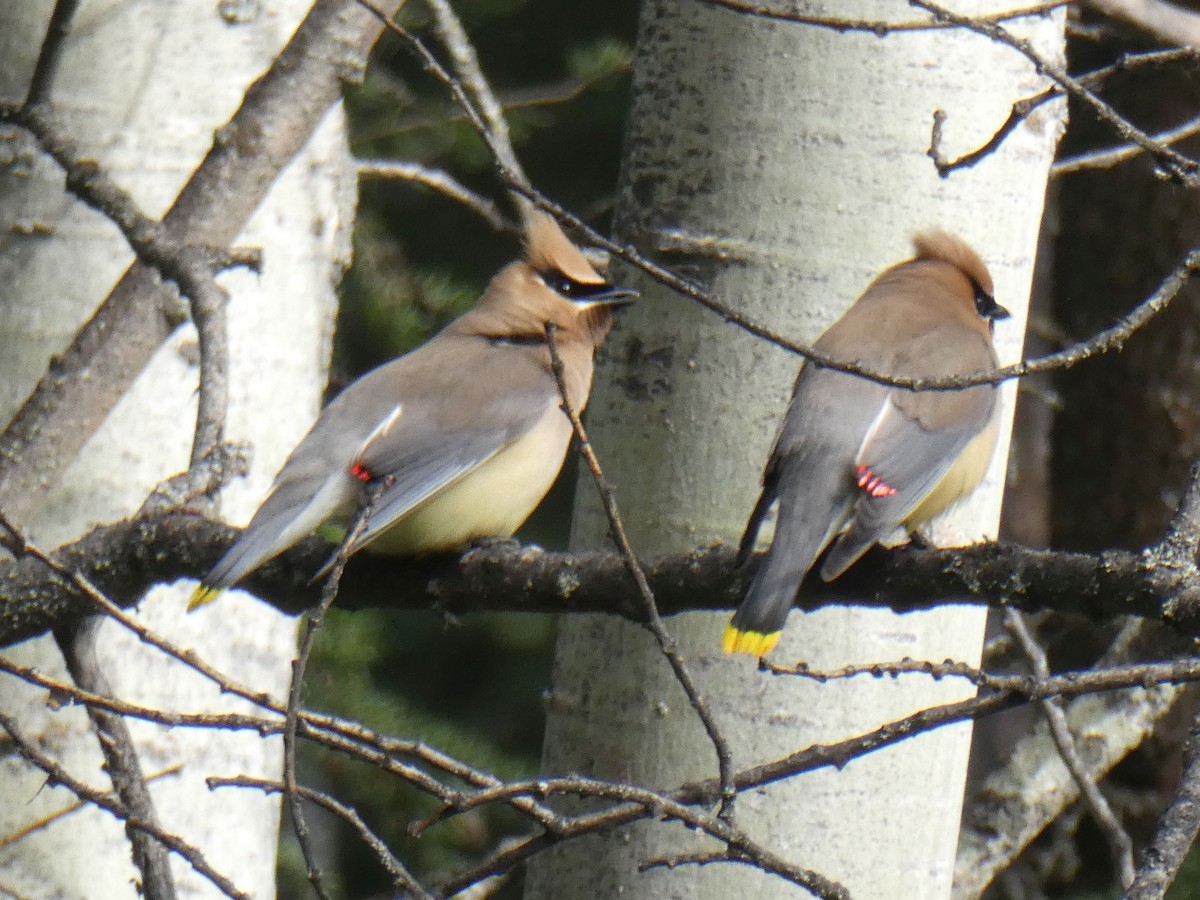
x=783 y=166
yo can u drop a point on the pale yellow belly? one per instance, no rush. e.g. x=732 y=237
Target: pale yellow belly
x=960 y=479
x=491 y=501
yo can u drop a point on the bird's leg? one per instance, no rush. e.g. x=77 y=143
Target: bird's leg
x=919 y=541
x=482 y=544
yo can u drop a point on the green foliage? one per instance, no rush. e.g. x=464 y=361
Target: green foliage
x=471 y=689
x=1187 y=882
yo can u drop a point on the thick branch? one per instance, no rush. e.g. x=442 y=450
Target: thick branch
x=126 y=558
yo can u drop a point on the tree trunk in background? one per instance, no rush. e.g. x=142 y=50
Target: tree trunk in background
x=783 y=167
x=1130 y=424
x=142 y=88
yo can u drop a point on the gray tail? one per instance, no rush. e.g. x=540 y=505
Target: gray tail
x=805 y=525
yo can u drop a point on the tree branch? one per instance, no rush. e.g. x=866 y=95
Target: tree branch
x=1176 y=830
x=124 y=559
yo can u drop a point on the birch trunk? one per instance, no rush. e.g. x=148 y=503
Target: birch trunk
x=142 y=87
x=782 y=166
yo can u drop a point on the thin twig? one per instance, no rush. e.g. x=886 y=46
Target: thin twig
x=402 y=879
x=662 y=806
x=443 y=182
x=470 y=74
x=57 y=775
x=654 y=622
x=312 y=625
x=1106 y=159
x=46 y=821
x=77 y=643
x=78 y=646
x=542 y=96
x=1021 y=110
x=315 y=619
x=50 y=55
x=1114 y=832
x=877 y=27
x=351 y=738
x=1177 y=829
x=1180 y=167
x=1024 y=107
x=1103 y=342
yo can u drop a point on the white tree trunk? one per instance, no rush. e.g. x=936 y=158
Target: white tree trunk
x=142 y=87
x=783 y=166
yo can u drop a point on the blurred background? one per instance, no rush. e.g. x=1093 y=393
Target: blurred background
x=1100 y=456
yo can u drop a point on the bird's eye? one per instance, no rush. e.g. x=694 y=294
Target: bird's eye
x=560 y=283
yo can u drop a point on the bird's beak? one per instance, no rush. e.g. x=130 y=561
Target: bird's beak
x=995 y=311
x=609 y=296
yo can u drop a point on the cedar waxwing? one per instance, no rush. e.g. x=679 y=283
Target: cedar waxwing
x=856 y=460
x=468 y=426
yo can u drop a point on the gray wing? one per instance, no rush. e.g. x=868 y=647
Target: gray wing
x=415 y=419
x=902 y=459
x=424 y=452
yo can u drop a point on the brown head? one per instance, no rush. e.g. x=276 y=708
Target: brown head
x=554 y=282
x=941 y=246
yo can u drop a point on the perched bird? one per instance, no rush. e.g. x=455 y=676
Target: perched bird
x=856 y=460
x=465 y=434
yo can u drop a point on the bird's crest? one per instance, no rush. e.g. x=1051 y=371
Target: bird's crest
x=547 y=249
x=949 y=248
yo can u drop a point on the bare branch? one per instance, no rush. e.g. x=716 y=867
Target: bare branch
x=124 y=559
x=57 y=775
x=1106 y=159
x=1015 y=803
x=877 y=27
x=1177 y=829
x=20 y=834
x=78 y=646
x=51 y=53
x=470 y=74
x=278 y=114
x=442 y=182
x=1105 y=341
x=1114 y=832
x=315 y=619
x=1176 y=165
x=402 y=879
x=638 y=802
x=666 y=643
x=1020 y=111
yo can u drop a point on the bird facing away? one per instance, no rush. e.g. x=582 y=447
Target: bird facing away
x=855 y=460
x=465 y=434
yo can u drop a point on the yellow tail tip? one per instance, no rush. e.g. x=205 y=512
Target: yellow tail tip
x=203 y=595
x=755 y=643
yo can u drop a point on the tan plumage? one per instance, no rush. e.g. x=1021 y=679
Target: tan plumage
x=467 y=429
x=855 y=460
